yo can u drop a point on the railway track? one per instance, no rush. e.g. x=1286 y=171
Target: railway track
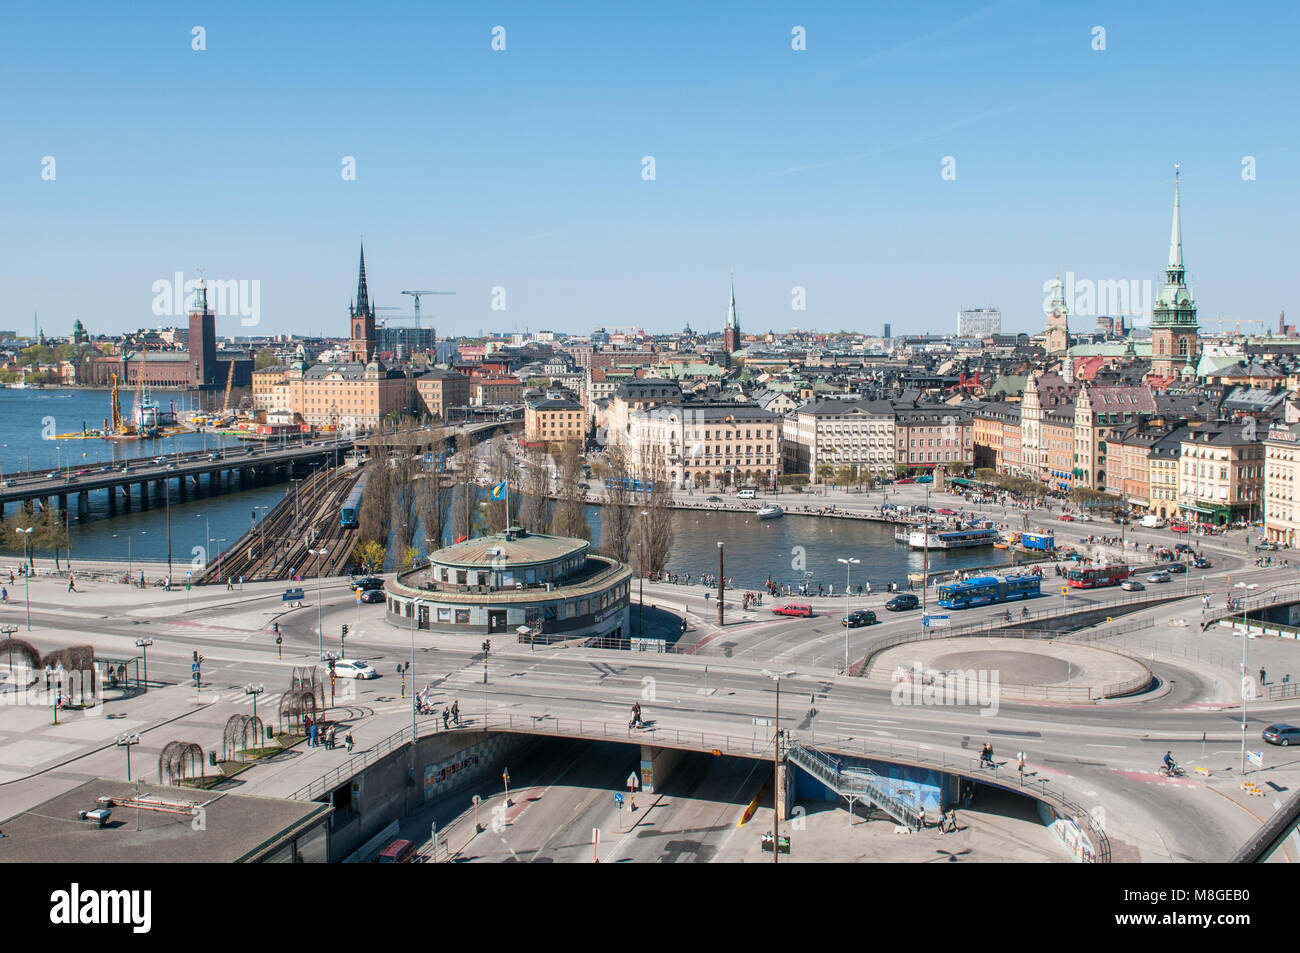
x=280 y=547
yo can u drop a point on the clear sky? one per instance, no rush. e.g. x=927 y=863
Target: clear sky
x=522 y=168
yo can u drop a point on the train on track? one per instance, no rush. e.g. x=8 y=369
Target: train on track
x=350 y=512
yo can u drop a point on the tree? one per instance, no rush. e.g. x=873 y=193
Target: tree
x=536 y=504
x=369 y=555
x=503 y=470
x=265 y=358
x=402 y=495
x=825 y=472
x=616 y=517
x=570 y=515
x=658 y=525
x=435 y=497
x=375 y=518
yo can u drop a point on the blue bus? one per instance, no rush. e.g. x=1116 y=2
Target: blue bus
x=352 y=506
x=987 y=590
x=636 y=486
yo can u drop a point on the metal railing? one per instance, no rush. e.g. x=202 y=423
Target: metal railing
x=858 y=782
x=749 y=746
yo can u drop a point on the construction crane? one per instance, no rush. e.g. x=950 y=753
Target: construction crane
x=118 y=428
x=416 y=296
x=230 y=380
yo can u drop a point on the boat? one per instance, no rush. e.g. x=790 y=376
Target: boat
x=770 y=512
x=952 y=539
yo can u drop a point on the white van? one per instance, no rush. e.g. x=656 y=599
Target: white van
x=1151 y=521
x=745 y=494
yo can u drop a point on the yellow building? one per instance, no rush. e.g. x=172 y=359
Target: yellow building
x=554 y=419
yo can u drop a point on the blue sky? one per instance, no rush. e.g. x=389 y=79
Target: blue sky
x=522 y=169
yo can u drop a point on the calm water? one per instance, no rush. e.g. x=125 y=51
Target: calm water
x=783 y=549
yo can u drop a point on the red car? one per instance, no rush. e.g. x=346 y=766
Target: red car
x=1179 y=527
x=947 y=512
x=905 y=480
x=1067 y=518
x=793 y=609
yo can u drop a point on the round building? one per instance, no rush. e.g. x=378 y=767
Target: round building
x=554 y=585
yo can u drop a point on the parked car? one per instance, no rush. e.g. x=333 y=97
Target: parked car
x=354 y=668
x=1281 y=734
x=1132 y=585
x=366 y=582
x=373 y=595
x=902 y=602
x=794 y=609
x=397 y=852
x=859 y=618
x=1160 y=576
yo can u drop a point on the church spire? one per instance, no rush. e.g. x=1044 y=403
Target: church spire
x=1176 y=233
x=731 y=311
x=362 y=305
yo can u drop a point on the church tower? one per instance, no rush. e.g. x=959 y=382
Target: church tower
x=731 y=331
x=362 y=316
x=1058 y=321
x=1174 y=342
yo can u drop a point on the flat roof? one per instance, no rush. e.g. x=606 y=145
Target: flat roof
x=495 y=551
x=234 y=826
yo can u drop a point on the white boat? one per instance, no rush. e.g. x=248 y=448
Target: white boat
x=770 y=512
x=953 y=539
x=145 y=414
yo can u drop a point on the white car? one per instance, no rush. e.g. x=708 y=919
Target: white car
x=354 y=668
x=1084 y=518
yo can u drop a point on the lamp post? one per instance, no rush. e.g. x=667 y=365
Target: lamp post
x=219 y=542
x=261 y=525
x=1245 y=634
x=27 y=576
x=9 y=632
x=253 y=690
x=848 y=567
x=776 y=764
x=640 y=610
x=416 y=606
x=320 y=631
x=126 y=741
x=207 y=536
x=143 y=645
x=720 y=549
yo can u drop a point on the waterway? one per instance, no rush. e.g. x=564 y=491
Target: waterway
x=790 y=549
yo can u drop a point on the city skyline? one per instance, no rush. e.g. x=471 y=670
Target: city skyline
x=522 y=169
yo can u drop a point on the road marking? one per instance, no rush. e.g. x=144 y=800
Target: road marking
x=1106 y=746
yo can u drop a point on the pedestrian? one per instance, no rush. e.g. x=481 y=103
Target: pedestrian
x=839 y=764
x=315 y=735
x=72 y=583
x=920 y=820
x=329 y=739
x=445 y=719
x=4 y=594
x=455 y=712
x=347 y=740
x=1020 y=764
x=1263 y=680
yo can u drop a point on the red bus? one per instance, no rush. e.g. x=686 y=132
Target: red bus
x=1090 y=577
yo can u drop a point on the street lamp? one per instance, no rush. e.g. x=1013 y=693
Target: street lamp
x=27 y=576
x=640 y=610
x=848 y=567
x=1245 y=635
x=207 y=536
x=128 y=536
x=416 y=606
x=720 y=549
x=126 y=741
x=776 y=764
x=253 y=690
x=320 y=631
x=261 y=526
x=143 y=645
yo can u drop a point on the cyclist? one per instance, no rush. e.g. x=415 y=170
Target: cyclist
x=1170 y=767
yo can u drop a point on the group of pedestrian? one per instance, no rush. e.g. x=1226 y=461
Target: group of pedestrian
x=636 y=716
x=451 y=715
x=986 y=755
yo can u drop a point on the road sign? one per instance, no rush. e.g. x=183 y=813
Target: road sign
x=1064 y=590
x=618 y=797
x=188 y=573
x=1256 y=758
x=632 y=780
x=194 y=666
x=937 y=621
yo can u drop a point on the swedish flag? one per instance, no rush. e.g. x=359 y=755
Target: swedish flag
x=499 y=491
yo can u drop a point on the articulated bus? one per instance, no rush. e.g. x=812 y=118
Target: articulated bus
x=1091 y=577
x=986 y=590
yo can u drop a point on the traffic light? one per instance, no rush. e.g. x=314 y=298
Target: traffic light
x=345 y=631
x=331 y=664
x=277 y=628
x=487 y=645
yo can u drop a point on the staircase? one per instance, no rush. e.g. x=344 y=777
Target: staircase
x=855 y=783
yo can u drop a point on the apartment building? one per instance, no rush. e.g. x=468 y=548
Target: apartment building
x=706 y=443
x=839 y=433
x=1221 y=474
x=1282 y=483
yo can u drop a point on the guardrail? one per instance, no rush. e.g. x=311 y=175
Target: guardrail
x=752 y=746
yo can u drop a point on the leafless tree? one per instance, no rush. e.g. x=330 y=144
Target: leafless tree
x=616 y=516
x=658 y=525
x=536 y=503
x=376 y=515
x=570 y=509
x=403 y=497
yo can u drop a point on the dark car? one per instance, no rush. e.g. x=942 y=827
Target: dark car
x=859 y=618
x=715 y=499
x=1182 y=548
x=1203 y=563
x=902 y=602
x=366 y=583
x=1281 y=734
x=372 y=595
x=1175 y=567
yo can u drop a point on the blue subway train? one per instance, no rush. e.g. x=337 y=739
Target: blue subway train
x=987 y=590
x=348 y=515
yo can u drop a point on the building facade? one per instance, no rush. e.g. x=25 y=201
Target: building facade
x=1282 y=484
